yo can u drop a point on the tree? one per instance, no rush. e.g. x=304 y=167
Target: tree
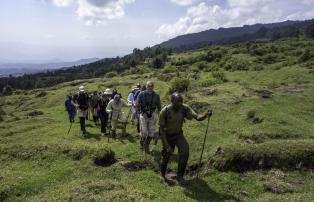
x=157 y=62
x=7 y=90
x=309 y=31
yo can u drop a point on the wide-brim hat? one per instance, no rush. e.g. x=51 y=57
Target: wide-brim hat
x=81 y=89
x=107 y=92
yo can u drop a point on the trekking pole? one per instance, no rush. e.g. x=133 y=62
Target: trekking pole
x=200 y=162
x=110 y=131
x=127 y=118
x=69 y=128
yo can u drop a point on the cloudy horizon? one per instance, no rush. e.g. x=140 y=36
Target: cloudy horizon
x=39 y=30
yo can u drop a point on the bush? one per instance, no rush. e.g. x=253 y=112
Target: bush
x=201 y=65
x=269 y=58
x=169 y=69
x=257 y=67
x=135 y=70
x=213 y=56
x=219 y=76
x=306 y=55
x=179 y=85
x=234 y=64
x=111 y=74
x=157 y=62
x=7 y=90
x=309 y=30
x=207 y=83
x=211 y=67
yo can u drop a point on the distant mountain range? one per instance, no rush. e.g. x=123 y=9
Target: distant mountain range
x=228 y=35
x=18 y=69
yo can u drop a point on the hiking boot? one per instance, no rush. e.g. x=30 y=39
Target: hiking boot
x=182 y=181
x=165 y=180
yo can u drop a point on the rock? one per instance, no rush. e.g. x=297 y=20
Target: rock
x=41 y=94
x=165 y=77
x=199 y=106
x=257 y=120
x=34 y=113
x=293 y=90
x=209 y=91
x=264 y=93
x=249 y=141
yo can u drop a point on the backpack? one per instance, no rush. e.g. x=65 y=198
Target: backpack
x=82 y=100
x=136 y=94
x=148 y=107
x=68 y=105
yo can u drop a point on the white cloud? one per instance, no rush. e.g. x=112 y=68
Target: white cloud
x=96 y=11
x=184 y=2
x=50 y=36
x=236 y=13
x=60 y=3
x=308 y=2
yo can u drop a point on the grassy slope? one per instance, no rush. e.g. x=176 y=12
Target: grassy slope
x=35 y=167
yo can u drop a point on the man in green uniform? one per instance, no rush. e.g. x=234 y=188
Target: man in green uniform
x=171 y=120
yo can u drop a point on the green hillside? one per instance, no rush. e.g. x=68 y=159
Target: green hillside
x=260 y=145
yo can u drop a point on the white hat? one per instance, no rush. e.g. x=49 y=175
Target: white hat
x=81 y=88
x=107 y=91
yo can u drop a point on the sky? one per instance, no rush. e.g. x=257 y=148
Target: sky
x=67 y=30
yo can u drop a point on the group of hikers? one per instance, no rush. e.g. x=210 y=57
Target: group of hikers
x=145 y=111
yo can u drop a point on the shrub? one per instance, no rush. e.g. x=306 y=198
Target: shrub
x=234 y=64
x=269 y=58
x=111 y=74
x=309 y=30
x=135 y=70
x=157 y=62
x=201 y=65
x=213 y=56
x=7 y=90
x=211 y=67
x=257 y=67
x=194 y=68
x=179 y=85
x=219 y=76
x=169 y=69
x=306 y=55
x=207 y=83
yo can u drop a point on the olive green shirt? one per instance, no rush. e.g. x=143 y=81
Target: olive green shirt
x=172 y=121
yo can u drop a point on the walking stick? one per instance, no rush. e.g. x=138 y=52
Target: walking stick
x=110 y=126
x=127 y=118
x=200 y=162
x=69 y=128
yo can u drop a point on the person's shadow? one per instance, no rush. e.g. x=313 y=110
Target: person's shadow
x=89 y=135
x=199 y=190
x=127 y=137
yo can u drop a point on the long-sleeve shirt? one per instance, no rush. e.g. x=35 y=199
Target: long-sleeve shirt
x=115 y=107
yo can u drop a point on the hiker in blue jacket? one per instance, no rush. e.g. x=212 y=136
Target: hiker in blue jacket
x=70 y=107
